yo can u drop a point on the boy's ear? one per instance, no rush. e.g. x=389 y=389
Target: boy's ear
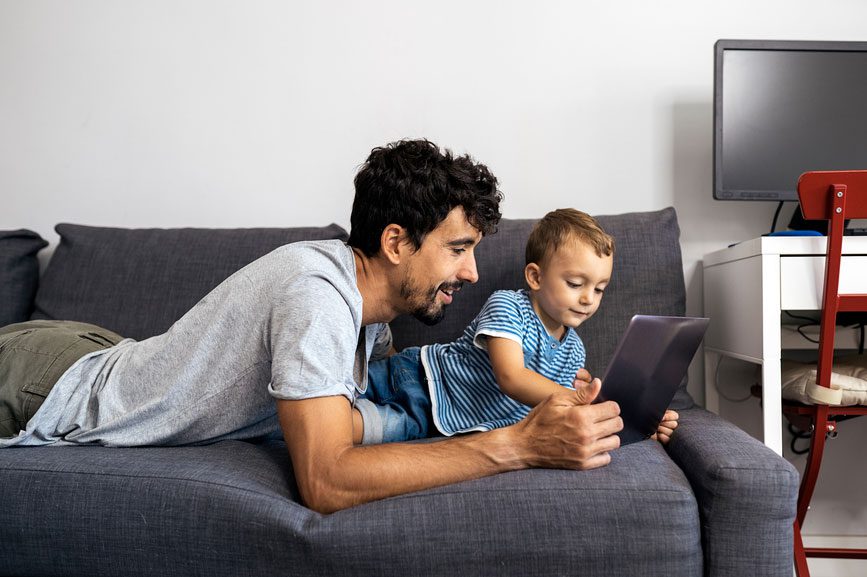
x=391 y=242
x=532 y=274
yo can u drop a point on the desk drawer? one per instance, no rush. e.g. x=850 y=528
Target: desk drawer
x=802 y=279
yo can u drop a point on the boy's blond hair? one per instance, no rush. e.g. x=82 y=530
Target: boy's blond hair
x=561 y=225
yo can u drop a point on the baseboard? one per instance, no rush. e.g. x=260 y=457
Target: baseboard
x=836 y=567
x=844 y=541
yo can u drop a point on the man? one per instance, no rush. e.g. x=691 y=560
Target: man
x=299 y=325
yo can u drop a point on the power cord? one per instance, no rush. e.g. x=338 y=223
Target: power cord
x=719 y=391
x=861 y=340
x=798 y=434
x=800 y=328
x=813 y=323
x=776 y=216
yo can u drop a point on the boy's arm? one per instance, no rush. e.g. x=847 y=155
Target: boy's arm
x=530 y=388
x=520 y=383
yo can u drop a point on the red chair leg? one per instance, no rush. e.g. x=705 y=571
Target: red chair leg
x=801 y=569
x=814 y=461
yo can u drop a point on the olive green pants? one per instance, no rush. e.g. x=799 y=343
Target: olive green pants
x=33 y=357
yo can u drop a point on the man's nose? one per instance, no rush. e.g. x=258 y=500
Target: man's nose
x=469 y=273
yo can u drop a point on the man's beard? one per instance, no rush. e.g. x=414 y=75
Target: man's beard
x=424 y=305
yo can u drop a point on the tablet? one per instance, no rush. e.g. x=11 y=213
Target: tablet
x=648 y=366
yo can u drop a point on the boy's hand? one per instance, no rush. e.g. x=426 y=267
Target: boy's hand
x=586 y=387
x=666 y=427
x=582 y=375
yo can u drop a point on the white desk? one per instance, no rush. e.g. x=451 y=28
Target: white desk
x=746 y=288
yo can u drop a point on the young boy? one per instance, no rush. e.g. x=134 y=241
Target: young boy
x=521 y=348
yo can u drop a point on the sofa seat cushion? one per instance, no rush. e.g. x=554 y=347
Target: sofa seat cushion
x=232 y=509
x=19 y=274
x=137 y=282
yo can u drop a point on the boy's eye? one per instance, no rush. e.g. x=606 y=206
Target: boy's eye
x=600 y=291
x=573 y=284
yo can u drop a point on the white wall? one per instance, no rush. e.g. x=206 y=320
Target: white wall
x=257 y=113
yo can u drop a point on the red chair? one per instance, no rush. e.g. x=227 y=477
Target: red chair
x=833 y=196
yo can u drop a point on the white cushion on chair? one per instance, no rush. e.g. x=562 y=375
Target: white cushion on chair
x=848 y=383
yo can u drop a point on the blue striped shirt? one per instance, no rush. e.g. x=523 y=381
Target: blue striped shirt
x=464 y=393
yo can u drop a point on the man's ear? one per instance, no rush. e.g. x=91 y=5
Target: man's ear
x=532 y=274
x=391 y=243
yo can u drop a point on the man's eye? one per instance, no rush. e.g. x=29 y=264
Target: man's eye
x=459 y=251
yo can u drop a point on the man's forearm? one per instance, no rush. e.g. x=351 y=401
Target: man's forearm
x=332 y=474
x=391 y=469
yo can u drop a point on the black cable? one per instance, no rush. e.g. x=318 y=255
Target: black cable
x=861 y=341
x=801 y=332
x=810 y=320
x=719 y=391
x=776 y=216
x=813 y=322
x=797 y=435
x=810 y=323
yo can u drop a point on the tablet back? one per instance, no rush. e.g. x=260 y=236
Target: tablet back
x=649 y=363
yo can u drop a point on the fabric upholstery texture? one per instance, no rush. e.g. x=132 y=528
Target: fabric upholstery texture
x=746 y=494
x=137 y=282
x=232 y=509
x=715 y=502
x=19 y=273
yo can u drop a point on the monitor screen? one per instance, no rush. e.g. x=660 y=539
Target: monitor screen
x=782 y=108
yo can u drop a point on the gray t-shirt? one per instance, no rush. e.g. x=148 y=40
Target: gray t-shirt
x=287 y=326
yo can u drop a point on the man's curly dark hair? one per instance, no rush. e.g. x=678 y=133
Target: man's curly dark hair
x=415 y=185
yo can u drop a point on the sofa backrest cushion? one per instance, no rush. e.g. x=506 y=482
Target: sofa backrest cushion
x=137 y=282
x=647 y=279
x=19 y=273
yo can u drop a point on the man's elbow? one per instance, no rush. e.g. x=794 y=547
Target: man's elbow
x=317 y=497
x=319 y=493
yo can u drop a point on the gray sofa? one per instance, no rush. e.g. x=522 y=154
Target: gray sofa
x=714 y=502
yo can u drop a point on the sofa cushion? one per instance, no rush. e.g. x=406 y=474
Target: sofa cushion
x=19 y=274
x=232 y=509
x=647 y=279
x=137 y=282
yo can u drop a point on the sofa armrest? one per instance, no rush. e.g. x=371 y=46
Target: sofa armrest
x=746 y=496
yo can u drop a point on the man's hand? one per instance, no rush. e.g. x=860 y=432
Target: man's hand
x=582 y=383
x=565 y=431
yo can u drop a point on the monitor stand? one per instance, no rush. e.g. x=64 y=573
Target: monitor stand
x=797 y=222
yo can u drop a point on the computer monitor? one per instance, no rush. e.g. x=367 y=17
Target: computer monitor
x=782 y=108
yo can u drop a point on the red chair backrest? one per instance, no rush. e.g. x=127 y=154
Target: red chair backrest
x=815 y=189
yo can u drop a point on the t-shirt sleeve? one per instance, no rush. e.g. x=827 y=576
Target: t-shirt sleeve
x=382 y=345
x=502 y=316
x=313 y=339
